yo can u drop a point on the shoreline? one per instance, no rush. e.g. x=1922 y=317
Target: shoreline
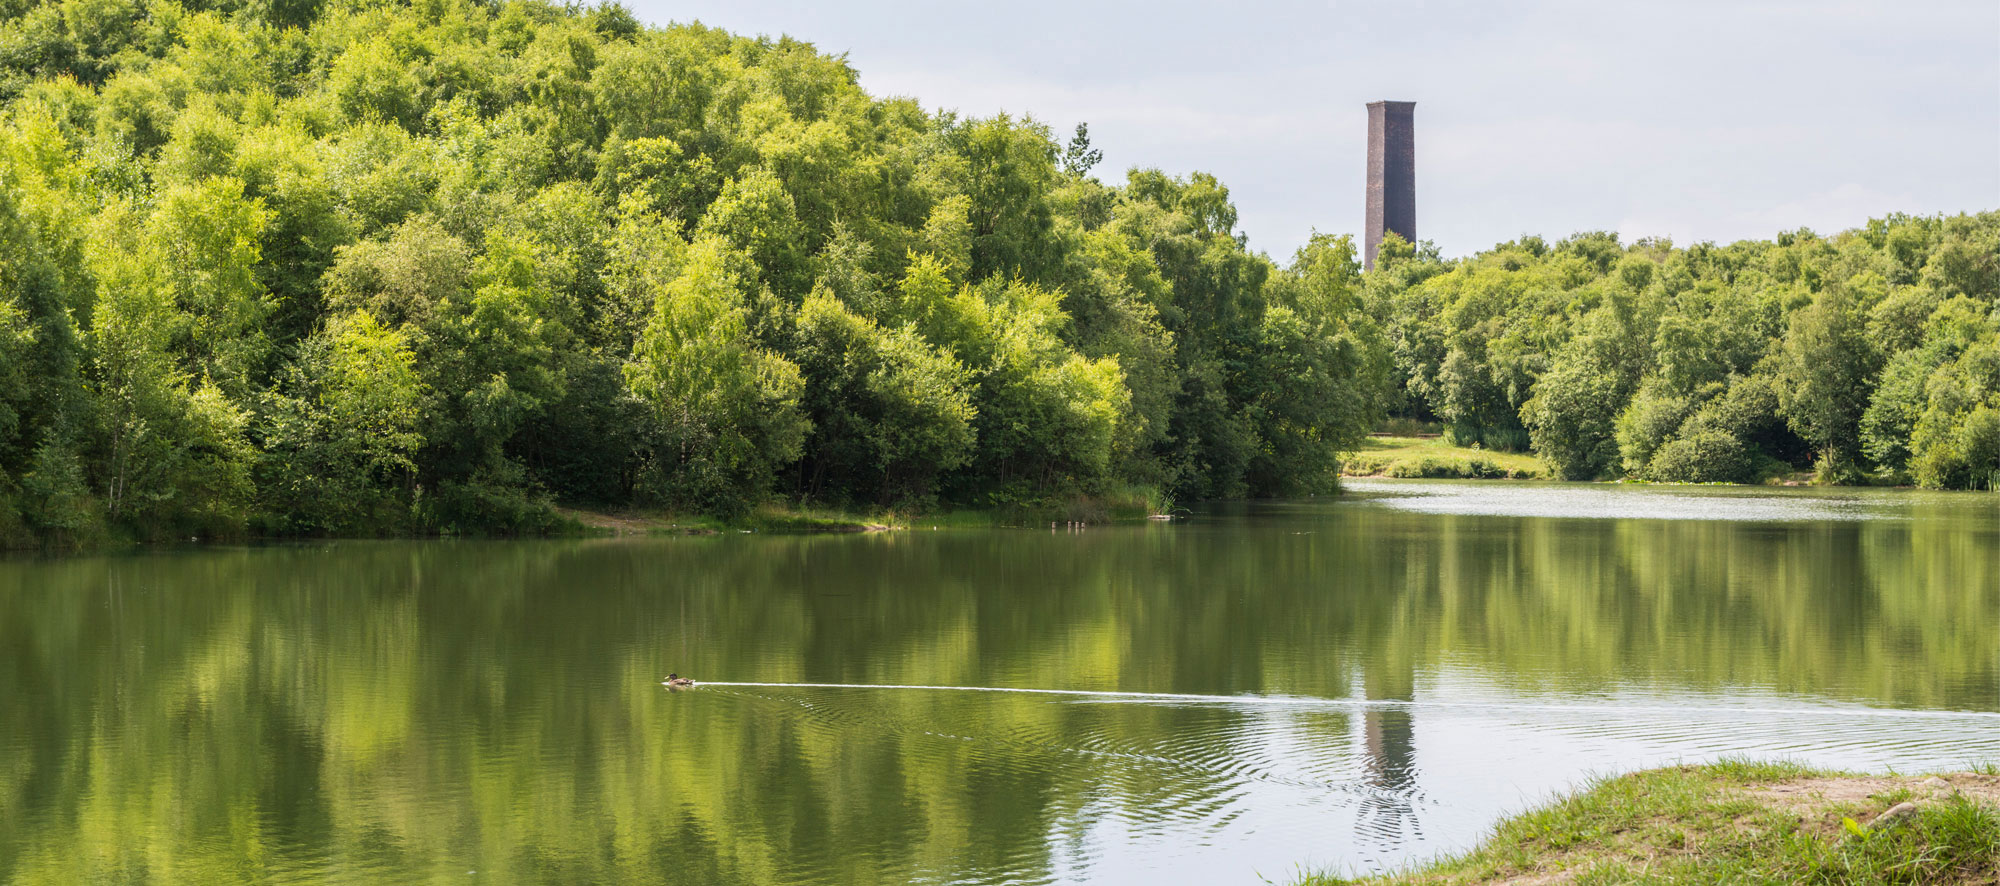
x=1429 y=457
x=773 y=519
x=566 y=521
x=1737 y=821
x=618 y=524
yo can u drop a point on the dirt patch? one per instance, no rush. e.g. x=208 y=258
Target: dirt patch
x=1821 y=803
x=846 y=527
x=631 y=524
x=1812 y=793
x=625 y=524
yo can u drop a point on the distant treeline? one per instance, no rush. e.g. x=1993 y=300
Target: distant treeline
x=360 y=267
x=356 y=267
x=1869 y=356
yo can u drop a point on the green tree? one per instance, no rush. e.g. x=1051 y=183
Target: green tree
x=1828 y=363
x=1321 y=373
x=341 y=433
x=203 y=243
x=1572 y=416
x=174 y=458
x=890 y=412
x=725 y=410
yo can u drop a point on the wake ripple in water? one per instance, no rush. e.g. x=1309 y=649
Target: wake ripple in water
x=1157 y=781
x=1394 y=704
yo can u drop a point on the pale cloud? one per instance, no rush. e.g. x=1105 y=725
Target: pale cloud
x=1706 y=120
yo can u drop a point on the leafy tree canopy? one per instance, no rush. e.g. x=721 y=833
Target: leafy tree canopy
x=345 y=266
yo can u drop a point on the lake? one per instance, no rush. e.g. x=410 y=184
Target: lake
x=1347 y=683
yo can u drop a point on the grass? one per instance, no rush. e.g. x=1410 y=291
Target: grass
x=1127 y=504
x=785 y=518
x=768 y=518
x=1433 y=457
x=1120 y=505
x=1738 y=822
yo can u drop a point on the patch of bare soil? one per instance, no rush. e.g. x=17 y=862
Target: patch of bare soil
x=1825 y=801
x=629 y=524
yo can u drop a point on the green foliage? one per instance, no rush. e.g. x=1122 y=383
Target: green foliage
x=1704 y=456
x=1824 y=371
x=1434 y=457
x=1570 y=420
x=724 y=411
x=342 y=431
x=607 y=263
x=1648 y=422
x=1870 y=351
x=1474 y=468
x=359 y=269
x=1320 y=372
x=1952 y=443
x=890 y=413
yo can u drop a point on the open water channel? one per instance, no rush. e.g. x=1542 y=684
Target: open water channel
x=1350 y=683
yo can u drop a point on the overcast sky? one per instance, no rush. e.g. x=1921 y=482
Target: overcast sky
x=1693 y=120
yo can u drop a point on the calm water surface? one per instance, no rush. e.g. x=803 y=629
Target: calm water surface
x=1350 y=683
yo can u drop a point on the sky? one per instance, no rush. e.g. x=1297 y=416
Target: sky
x=1693 y=120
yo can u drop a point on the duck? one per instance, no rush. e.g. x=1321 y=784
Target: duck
x=676 y=681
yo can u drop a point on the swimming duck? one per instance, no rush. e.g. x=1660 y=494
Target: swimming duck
x=676 y=681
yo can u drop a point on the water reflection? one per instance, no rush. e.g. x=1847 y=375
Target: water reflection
x=1387 y=812
x=1390 y=681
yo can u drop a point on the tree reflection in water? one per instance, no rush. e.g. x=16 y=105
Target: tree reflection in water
x=378 y=711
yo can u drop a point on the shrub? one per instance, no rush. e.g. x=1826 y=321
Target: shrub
x=1705 y=456
x=1432 y=468
x=1420 y=468
x=1364 y=465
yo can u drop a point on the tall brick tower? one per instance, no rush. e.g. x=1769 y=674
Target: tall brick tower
x=1392 y=176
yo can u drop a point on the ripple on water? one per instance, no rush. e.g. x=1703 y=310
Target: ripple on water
x=1153 y=785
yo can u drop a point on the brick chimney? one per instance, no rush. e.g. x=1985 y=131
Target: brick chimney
x=1392 y=176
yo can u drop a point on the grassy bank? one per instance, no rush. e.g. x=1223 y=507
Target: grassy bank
x=1432 y=457
x=769 y=518
x=1124 y=505
x=1741 y=822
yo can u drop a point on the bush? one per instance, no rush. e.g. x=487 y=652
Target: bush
x=1421 y=468
x=493 y=502
x=1705 y=456
x=1979 y=441
x=1364 y=465
x=1498 y=439
x=1648 y=422
x=1571 y=419
x=1431 y=468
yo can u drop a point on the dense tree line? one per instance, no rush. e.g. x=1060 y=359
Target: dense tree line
x=381 y=267
x=1869 y=356
x=372 y=267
